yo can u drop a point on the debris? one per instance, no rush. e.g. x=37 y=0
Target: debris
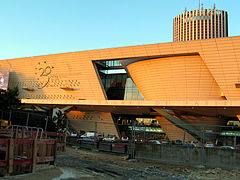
x=133 y=160
x=186 y=170
x=125 y=157
x=200 y=166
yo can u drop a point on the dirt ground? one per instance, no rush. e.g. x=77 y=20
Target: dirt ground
x=77 y=164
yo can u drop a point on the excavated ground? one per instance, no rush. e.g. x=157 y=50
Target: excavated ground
x=77 y=164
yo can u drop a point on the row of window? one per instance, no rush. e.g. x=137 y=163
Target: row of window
x=202 y=12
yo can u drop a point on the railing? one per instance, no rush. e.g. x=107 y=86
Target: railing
x=25 y=153
x=30 y=133
x=61 y=139
x=27 y=119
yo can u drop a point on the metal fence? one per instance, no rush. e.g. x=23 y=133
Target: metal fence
x=28 y=119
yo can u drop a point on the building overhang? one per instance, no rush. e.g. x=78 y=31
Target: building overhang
x=210 y=108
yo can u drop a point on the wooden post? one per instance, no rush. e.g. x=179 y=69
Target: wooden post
x=45 y=135
x=44 y=149
x=54 y=151
x=10 y=156
x=40 y=149
x=34 y=155
x=29 y=150
x=64 y=141
x=29 y=155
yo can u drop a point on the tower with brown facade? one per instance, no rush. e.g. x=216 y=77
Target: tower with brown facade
x=200 y=24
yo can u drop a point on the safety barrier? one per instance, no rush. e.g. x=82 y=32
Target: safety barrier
x=30 y=133
x=214 y=157
x=114 y=147
x=61 y=139
x=22 y=155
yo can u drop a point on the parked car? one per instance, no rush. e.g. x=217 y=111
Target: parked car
x=194 y=142
x=124 y=139
x=110 y=139
x=198 y=144
x=237 y=147
x=165 y=142
x=138 y=140
x=154 y=142
x=100 y=137
x=177 y=142
x=89 y=134
x=209 y=145
x=74 y=134
x=88 y=139
x=190 y=144
x=227 y=147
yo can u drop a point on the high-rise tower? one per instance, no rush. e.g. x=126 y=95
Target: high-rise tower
x=200 y=24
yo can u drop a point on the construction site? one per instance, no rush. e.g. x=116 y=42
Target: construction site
x=22 y=148
x=165 y=110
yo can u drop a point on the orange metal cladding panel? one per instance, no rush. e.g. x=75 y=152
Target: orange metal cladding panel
x=174 y=78
x=221 y=57
x=173 y=132
x=92 y=121
x=59 y=76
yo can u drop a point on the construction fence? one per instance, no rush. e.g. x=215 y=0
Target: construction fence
x=18 y=156
x=22 y=147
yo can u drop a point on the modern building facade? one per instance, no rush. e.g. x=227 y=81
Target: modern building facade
x=196 y=81
x=200 y=24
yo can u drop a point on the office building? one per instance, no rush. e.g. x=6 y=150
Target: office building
x=200 y=24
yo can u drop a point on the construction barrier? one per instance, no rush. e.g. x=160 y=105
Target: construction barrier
x=30 y=133
x=22 y=155
x=61 y=139
x=114 y=147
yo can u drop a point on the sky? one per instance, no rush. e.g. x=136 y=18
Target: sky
x=41 y=27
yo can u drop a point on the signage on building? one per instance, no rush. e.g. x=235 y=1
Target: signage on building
x=209 y=131
x=197 y=18
x=148 y=129
x=4 y=76
x=230 y=133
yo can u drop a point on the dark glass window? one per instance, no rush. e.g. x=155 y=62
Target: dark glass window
x=116 y=82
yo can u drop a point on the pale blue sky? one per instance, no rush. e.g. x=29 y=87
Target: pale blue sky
x=40 y=27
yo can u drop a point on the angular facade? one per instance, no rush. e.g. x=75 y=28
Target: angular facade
x=200 y=77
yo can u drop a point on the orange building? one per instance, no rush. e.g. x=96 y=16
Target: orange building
x=197 y=80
